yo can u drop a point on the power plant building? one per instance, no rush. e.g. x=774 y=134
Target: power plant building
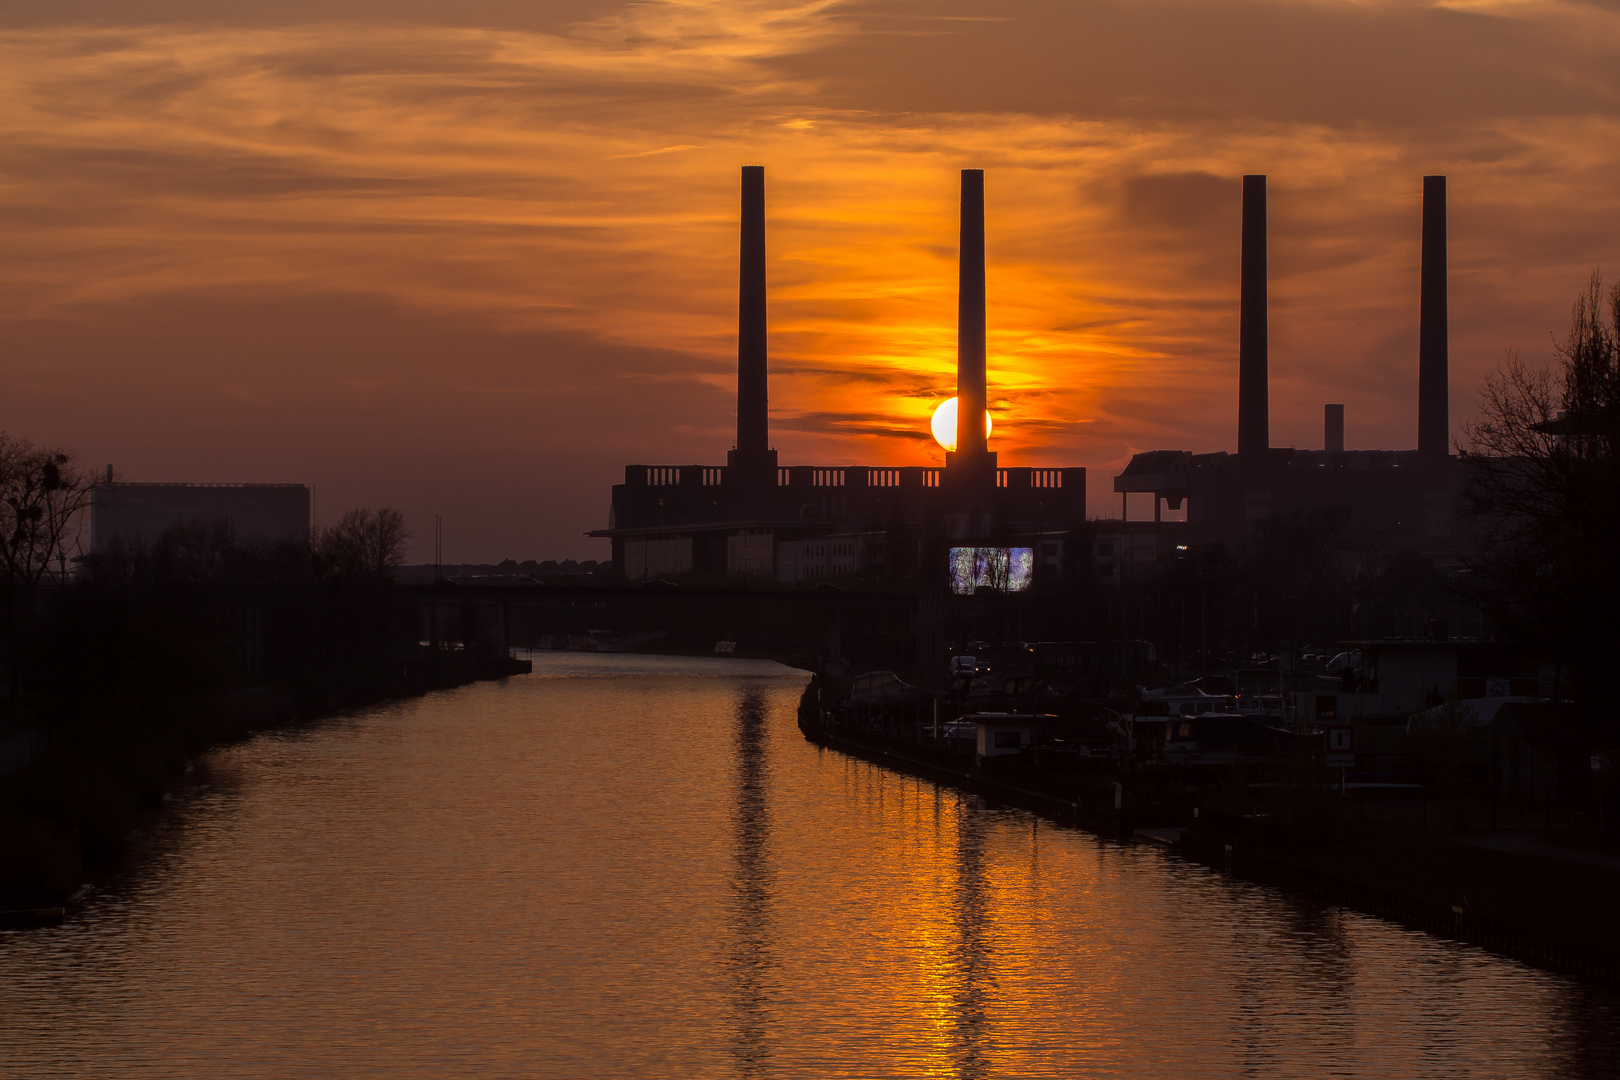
x=1395 y=498
x=755 y=518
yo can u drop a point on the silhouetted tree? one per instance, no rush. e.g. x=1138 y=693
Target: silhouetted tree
x=365 y=542
x=1543 y=483
x=41 y=497
x=134 y=664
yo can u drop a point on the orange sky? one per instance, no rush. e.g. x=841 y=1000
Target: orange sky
x=471 y=260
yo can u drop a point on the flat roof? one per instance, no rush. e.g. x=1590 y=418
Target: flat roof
x=1425 y=644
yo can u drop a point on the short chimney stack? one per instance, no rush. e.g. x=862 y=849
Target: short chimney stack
x=1333 y=428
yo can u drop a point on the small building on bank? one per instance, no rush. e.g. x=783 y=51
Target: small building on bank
x=1392 y=679
x=1002 y=734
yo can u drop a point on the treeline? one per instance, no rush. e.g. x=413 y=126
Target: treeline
x=1543 y=486
x=121 y=665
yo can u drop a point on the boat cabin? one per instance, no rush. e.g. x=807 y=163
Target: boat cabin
x=1003 y=734
x=1142 y=731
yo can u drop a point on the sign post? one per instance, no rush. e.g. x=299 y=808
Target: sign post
x=1341 y=750
x=1600 y=766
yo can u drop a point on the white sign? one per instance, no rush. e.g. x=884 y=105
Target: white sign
x=1341 y=746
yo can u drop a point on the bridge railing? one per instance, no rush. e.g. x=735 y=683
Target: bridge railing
x=846 y=477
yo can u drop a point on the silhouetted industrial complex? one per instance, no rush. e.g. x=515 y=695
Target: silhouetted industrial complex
x=1396 y=498
x=753 y=518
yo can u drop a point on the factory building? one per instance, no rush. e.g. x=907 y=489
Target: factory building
x=754 y=518
x=1395 y=498
x=129 y=513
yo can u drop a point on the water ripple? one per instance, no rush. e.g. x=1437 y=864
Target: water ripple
x=631 y=867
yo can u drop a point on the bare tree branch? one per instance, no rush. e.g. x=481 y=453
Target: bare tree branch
x=1542 y=481
x=365 y=542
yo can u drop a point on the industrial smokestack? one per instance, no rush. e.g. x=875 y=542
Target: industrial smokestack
x=1333 y=428
x=1254 y=423
x=753 y=405
x=1434 y=437
x=970 y=377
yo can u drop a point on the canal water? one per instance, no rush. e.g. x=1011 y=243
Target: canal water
x=637 y=867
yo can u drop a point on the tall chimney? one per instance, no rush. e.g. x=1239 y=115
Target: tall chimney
x=1333 y=428
x=1254 y=423
x=1433 y=350
x=753 y=408
x=971 y=393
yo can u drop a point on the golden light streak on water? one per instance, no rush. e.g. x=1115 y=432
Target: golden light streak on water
x=632 y=866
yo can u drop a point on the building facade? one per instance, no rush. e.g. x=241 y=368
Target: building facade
x=754 y=519
x=130 y=513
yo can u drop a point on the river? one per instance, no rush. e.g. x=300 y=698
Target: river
x=628 y=866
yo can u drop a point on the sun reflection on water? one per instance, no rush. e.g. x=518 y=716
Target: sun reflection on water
x=636 y=866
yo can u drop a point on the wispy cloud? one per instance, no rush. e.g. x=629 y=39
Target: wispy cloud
x=654 y=153
x=580 y=181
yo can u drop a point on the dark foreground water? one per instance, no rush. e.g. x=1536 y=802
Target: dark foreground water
x=637 y=867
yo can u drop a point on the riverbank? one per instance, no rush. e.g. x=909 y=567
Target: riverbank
x=1552 y=912
x=69 y=809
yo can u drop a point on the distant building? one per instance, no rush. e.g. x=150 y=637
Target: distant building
x=831 y=555
x=1123 y=550
x=1390 y=680
x=131 y=513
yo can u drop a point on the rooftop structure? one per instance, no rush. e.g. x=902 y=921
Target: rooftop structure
x=751 y=517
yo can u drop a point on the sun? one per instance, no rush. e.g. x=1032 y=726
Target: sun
x=944 y=424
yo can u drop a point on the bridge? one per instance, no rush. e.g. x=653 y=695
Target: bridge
x=800 y=627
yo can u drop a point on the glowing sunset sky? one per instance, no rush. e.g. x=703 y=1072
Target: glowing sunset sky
x=473 y=258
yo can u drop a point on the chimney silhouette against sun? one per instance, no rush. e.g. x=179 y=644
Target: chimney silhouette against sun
x=753 y=403
x=971 y=392
x=1254 y=421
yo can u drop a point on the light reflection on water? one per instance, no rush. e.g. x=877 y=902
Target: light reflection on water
x=628 y=866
